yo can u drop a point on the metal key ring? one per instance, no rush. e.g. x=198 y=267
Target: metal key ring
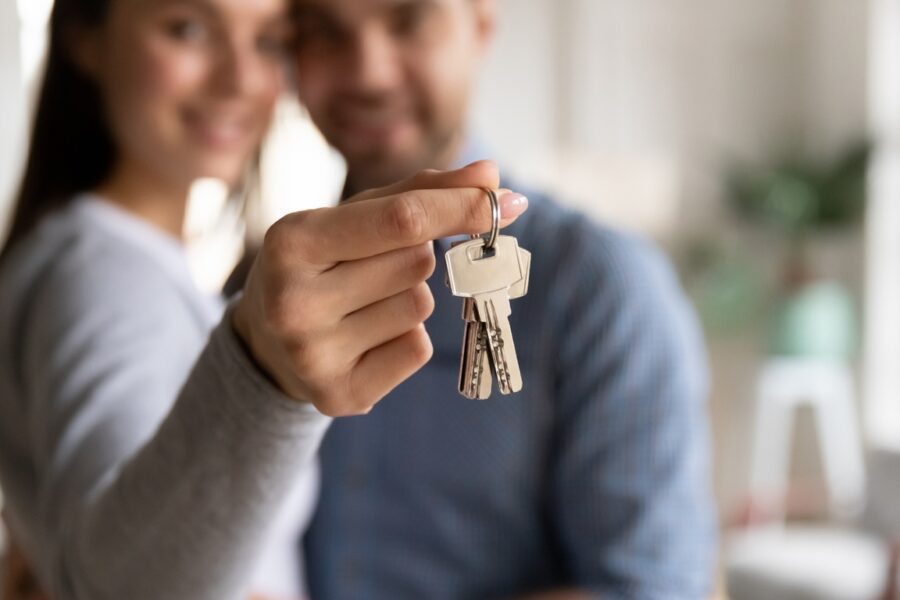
x=495 y=222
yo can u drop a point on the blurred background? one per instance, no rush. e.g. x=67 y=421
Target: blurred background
x=758 y=142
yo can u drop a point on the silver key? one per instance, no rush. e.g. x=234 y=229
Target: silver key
x=474 y=360
x=517 y=290
x=474 y=380
x=494 y=310
x=487 y=280
x=475 y=364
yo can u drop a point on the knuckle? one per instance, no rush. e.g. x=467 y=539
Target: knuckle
x=361 y=394
x=404 y=219
x=420 y=347
x=422 y=261
x=322 y=363
x=292 y=238
x=276 y=240
x=302 y=357
x=422 y=302
x=278 y=317
x=314 y=361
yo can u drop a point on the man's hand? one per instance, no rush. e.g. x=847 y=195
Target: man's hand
x=335 y=303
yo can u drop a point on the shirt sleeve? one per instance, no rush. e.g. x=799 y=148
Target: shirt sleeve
x=149 y=488
x=631 y=495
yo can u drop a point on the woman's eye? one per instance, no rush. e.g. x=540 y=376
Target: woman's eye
x=187 y=30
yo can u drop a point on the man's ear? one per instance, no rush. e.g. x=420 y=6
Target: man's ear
x=84 y=46
x=485 y=21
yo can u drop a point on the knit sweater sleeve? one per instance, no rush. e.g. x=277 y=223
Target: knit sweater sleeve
x=149 y=488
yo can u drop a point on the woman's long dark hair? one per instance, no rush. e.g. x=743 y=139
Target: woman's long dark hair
x=71 y=146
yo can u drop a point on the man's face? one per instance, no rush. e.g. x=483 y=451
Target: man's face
x=388 y=81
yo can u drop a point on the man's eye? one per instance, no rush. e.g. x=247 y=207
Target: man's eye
x=410 y=18
x=187 y=30
x=272 y=44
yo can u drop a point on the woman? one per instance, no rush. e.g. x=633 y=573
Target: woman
x=140 y=99
x=142 y=456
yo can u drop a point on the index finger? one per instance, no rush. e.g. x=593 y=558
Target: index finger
x=479 y=174
x=371 y=227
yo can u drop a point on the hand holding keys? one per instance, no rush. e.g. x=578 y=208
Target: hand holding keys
x=488 y=274
x=334 y=305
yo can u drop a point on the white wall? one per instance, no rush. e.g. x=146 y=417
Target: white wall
x=883 y=231
x=13 y=117
x=668 y=91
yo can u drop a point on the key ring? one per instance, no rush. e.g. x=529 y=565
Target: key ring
x=495 y=222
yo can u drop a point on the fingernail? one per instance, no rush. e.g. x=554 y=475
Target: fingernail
x=512 y=204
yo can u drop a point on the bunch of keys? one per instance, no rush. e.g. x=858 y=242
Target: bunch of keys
x=487 y=274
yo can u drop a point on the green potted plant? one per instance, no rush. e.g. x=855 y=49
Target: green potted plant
x=799 y=200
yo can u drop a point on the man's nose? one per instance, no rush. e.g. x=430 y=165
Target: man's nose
x=374 y=61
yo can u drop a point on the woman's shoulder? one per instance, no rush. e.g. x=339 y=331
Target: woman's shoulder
x=72 y=262
x=68 y=246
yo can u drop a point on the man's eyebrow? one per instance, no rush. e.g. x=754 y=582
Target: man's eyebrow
x=396 y=3
x=313 y=7
x=308 y=6
x=310 y=9
x=391 y=5
x=204 y=5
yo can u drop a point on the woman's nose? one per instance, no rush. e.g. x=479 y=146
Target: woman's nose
x=242 y=71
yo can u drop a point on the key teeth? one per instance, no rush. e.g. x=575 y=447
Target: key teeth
x=475 y=380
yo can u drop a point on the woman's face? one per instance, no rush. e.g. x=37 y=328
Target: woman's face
x=189 y=85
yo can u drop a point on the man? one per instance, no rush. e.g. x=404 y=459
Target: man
x=591 y=482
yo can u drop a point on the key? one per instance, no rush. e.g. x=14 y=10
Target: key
x=487 y=279
x=475 y=367
x=474 y=359
x=517 y=290
x=494 y=310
